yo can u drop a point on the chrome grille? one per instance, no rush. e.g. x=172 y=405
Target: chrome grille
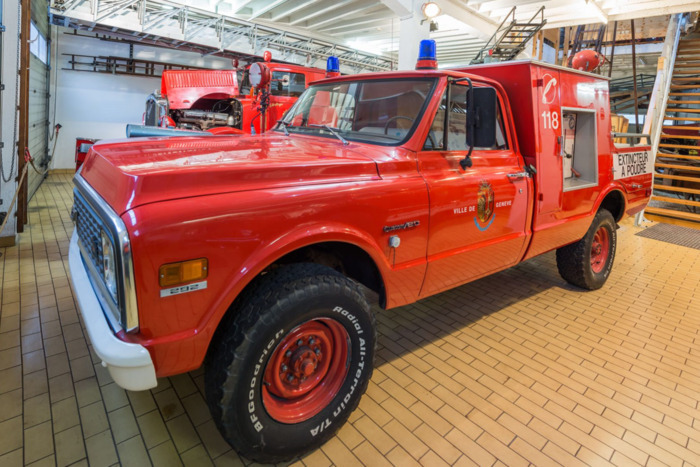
x=88 y=225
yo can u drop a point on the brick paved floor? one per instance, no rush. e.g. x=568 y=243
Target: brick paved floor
x=513 y=369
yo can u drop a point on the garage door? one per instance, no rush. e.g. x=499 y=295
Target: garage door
x=38 y=119
x=38 y=92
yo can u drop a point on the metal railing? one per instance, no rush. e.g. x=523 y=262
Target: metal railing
x=632 y=137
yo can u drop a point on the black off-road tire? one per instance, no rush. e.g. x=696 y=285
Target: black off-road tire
x=574 y=261
x=268 y=311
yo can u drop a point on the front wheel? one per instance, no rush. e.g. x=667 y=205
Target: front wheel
x=291 y=362
x=588 y=262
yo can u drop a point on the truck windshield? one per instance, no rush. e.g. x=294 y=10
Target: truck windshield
x=383 y=112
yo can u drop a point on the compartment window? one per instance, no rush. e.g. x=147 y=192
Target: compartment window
x=578 y=149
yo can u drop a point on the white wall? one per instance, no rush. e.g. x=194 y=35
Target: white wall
x=99 y=105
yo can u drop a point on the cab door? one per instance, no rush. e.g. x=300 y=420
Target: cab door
x=478 y=216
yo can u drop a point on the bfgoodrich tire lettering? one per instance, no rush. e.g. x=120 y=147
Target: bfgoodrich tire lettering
x=294 y=300
x=588 y=262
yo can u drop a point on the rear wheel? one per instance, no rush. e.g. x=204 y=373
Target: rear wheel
x=290 y=363
x=588 y=262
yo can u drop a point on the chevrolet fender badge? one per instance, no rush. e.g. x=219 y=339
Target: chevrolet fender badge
x=404 y=226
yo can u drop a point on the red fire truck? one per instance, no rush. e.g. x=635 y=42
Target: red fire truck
x=250 y=254
x=229 y=101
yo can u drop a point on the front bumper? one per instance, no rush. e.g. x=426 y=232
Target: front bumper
x=130 y=365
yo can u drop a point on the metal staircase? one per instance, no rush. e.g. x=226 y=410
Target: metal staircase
x=587 y=39
x=510 y=38
x=622 y=93
x=676 y=195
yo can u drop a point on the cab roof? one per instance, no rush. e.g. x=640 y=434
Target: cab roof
x=410 y=74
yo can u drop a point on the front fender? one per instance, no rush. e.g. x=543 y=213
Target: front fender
x=242 y=233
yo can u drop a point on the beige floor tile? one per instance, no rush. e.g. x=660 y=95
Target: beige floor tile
x=9 y=339
x=196 y=408
x=196 y=457
x=93 y=419
x=169 y=404
x=37 y=410
x=38 y=442
x=70 y=446
x=182 y=433
x=153 y=429
x=10 y=379
x=10 y=404
x=123 y=424
x=12 y=459
x=101 y=450
x=10 y=357
x=35 y=384
x=165 y=455
x=65 y=414
x=141 y=402
x=132 y=453
x=87 y=391
x=61 y=387
x=12 y=432
x=114 y=397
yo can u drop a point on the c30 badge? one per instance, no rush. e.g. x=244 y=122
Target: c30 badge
x=485 y=204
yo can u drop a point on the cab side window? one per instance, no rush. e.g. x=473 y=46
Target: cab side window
x=436 y=137
x=456 y=115
x=457 y=119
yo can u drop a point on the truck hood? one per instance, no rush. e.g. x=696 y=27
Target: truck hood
x=130 y=173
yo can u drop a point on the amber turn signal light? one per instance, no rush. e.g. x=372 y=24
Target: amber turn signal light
x=185 y=271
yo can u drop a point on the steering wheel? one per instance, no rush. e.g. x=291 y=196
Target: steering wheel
x=396 y=117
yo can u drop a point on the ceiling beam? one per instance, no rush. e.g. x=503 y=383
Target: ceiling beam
x=317 y=10
x=293 y=8
x=359 y=22
x=267 y=6
x=477 y=24
x=616 y=14
x=238 y=5
x=490 y=6
x=338 y=13
x=401 y=8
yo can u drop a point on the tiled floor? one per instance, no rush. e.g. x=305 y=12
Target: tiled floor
x=513 y=369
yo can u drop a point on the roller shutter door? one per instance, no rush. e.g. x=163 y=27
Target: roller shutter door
x=38 y=119
x=38 y=99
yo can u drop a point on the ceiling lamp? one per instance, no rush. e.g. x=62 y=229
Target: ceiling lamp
x=430 y=10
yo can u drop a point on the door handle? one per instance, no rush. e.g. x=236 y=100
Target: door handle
x=518 y=175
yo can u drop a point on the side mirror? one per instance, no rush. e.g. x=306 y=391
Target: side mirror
x=483 y=118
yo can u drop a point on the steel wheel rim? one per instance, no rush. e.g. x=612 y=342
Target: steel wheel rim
x=306 y=370
x=600 y=250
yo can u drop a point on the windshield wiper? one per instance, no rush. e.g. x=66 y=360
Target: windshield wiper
x=284 y=126
x=333 y=130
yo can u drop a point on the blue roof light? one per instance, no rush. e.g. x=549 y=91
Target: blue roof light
x=333 y=64
x=427 y=50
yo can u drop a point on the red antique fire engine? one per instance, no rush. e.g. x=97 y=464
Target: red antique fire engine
x=229 y=101
x=247 y=254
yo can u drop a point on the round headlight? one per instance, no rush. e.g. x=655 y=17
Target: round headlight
x=109 y=266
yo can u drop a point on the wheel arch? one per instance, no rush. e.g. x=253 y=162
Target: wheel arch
x=353 y=255
x=614 y=202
